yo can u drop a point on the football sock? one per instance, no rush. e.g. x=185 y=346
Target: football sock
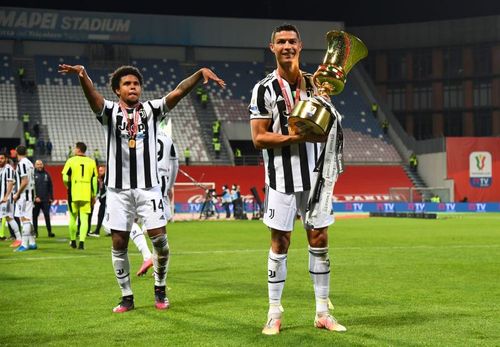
x=15 y=227
x=276 y=276
x=73 y=226
x=140 y=241
x=319 y=268
x=26 y=234
x=161 y=254
x=121 y=265
x=84 y=226
x=32 y=237
x=2 y=227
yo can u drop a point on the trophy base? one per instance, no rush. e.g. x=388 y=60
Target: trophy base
x=309 y=117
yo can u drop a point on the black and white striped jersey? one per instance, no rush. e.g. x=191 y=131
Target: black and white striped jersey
x=7 y=174
x=289 y=168
x=26 y=169
x=132 y=166
x=168 y=162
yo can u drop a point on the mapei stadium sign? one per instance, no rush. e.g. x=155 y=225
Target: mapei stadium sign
x=62 y=25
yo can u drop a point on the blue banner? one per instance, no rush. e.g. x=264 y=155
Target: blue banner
x=417 y=207
x=60 y=207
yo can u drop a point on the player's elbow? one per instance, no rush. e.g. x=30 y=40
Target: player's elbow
x=257 y=142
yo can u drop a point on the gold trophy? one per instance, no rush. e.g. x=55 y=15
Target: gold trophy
x=343 y=52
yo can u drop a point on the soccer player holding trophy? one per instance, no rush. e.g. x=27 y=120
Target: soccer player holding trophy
x=299 y=131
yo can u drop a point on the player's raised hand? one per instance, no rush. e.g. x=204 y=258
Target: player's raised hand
x=65 y=68
x=210 y=75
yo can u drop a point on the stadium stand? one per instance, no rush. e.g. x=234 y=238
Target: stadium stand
x=61 y=98
x=7 y=89
x=65 y=110
x=364 y=140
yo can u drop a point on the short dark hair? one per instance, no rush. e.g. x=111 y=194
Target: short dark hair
x=4 y=154
x=81 y=146
x=125 y=70
x=21 y=150
x=284 y=27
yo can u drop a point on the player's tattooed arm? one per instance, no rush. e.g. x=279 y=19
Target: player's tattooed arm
x=189 y=83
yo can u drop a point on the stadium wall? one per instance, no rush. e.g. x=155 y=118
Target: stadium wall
x=474 y=165
x=101 y=27
x=432 y=169
x=357 y=183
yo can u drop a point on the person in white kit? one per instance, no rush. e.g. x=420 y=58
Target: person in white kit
x=290 y=160
x=132 y=180
x=168 y=167
x=24 y=199
x=7 y=182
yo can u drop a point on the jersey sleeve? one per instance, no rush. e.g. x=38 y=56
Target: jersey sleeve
x=260 y=104
x=106 y=112
x=66 y=171
x=94 y=179
x=10 y=174
x=22 y=170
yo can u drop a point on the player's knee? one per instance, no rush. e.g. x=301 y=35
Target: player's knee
x=319 y=240
x=160 y=243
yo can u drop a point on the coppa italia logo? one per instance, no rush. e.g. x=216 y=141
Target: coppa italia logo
x=480 y=159
x=480 y=169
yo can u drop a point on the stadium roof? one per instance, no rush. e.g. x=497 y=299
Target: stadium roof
x=353 y=13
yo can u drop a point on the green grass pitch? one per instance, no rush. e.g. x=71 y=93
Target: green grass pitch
x=395 y=282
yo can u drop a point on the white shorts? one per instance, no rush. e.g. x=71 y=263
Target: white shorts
x=281 y=209
x=24 y=209
x=7 y=209
x=123 y=206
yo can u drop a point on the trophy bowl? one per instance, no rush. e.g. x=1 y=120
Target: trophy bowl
x=343 y=52
x=310 y=117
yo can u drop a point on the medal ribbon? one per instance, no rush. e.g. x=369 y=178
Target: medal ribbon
x=133 y=123
x=284 y=91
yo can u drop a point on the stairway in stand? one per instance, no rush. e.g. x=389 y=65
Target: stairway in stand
x=206 y=117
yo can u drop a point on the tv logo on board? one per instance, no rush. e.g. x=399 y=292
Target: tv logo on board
x=387 y=207
x=480 y=169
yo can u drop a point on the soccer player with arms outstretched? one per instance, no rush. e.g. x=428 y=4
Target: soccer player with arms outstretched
x=132 y=178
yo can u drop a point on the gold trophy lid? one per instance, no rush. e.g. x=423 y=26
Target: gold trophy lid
x=343 y=52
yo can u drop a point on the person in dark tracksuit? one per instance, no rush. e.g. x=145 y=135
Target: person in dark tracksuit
x=44 y=195
x=101 y=195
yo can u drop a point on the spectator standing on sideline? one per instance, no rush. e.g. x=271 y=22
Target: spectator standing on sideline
x=36 y=129
x=374 y=109
x=26 y=122
x=187 y=156
x=101 y=195
x=226 y=201
x=217 y=148
x=413 y=161
x=97 y=156
x=44 y=195
x=237 y=156
x=204 y=99
x=216 y=129
x=49 y=147
x=385 y=126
